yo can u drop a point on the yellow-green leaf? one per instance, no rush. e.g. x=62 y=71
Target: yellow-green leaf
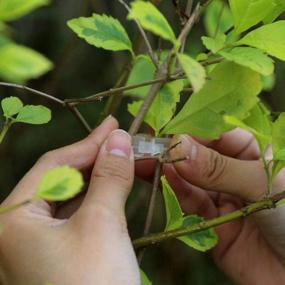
x=143 y=70
x=248 y=13
x=194 y=71
x=214 y=44
x=151 y=19
x=174 y=213
x=164 y=104
x=232 y=91
x=202 y=241
x=144 y=279
x=102 y=31
x=269 y=38
x=11 y=106
x=60 y=184
x=218 y=18
x=13 y=9
x=258 y=124
x=19 y=64
x=34 y=115
x=253 y=58
x=278 y=143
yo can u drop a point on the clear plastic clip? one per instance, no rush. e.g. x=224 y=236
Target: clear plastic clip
x=144 y=145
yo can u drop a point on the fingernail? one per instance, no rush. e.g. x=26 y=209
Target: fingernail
x=107 y=118
x=119 y=144
x=188 y=148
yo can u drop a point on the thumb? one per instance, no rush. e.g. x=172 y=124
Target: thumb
x=112 y=176
x=209 y=169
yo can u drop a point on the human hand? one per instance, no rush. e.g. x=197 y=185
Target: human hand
x=93 y=245
x=231 y=172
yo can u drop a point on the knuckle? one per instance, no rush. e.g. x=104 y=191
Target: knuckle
x=215 y=168
x=115 y=168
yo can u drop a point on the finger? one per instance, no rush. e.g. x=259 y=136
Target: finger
x=111 y=181
x=208 y=169
x=236 y=143
x=80 y=155
x=193 y=200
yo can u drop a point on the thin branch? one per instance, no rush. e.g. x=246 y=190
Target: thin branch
x=79 y=117
x=72 y=109
x=10 y=208
x=148 y=45
x=162 y=73
x=268 y=203
x=162 y=76
x=99 y=96
x=151 y=206
x=31 y=90
x=190 y=23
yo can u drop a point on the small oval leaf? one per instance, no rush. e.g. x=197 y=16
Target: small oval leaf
x=60 y=184
x=35 y=115
x=11 y=106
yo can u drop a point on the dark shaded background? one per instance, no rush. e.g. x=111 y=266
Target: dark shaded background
x=81 y=70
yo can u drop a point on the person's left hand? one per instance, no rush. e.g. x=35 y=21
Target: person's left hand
x=93 y=245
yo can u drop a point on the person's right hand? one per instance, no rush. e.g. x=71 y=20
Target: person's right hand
x=90 y=247
x=221 y=177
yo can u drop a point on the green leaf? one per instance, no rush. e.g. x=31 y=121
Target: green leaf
x=194 y=71
x=35 y=115
x=278 y=143
x=60 y=184
x=11 y=106
x=280 y=155
x=280 y=203
x=258 y=124
x=278 y=7
x=268 y=82
x=232 y=91
x=152 y=20
x=248 y=13
x=143 y=70
x=164 y=104
x=214 y=44
x=252 y=58
x=218 y=18
x=174 y=213
x=13 y=9
x=19 y=64
x=269 y=38
x=201 y=241
x=144 y=279
x=102 y=31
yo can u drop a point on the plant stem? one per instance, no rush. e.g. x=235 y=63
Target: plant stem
x=8 y=209
x=99 y=96
x=31 y=90
x=267 y=203
x=151 y=206
x=72 y=109
x=162 y=77
x=4 y=131
x=144 y=36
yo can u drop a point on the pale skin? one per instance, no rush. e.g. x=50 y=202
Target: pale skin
x=92 y=245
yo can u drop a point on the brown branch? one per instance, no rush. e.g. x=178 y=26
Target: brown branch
x=33 y=91
x=162 y=73
x=267 y=203
x=151 y=205
x=72 y=109
x=99 y=96
x=148 y=45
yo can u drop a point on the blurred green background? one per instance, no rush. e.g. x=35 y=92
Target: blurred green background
x=80 y=70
